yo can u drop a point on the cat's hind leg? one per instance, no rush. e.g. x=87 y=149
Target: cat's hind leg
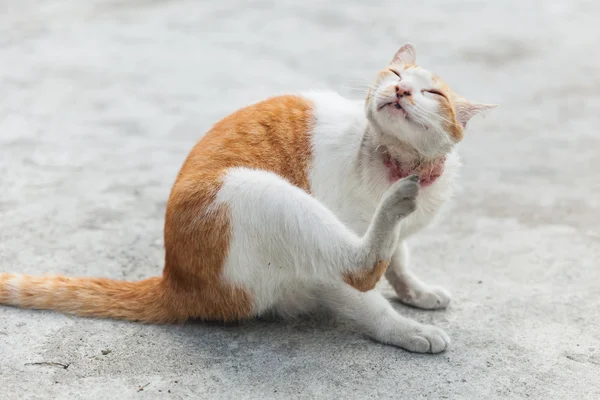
x=280 y=234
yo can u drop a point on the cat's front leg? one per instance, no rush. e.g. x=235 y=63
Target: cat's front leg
x=375 y=316
x=409 y=288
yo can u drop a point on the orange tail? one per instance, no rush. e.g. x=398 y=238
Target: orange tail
x=142 y=301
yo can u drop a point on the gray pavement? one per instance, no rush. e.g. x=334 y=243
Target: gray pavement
x=101 y=100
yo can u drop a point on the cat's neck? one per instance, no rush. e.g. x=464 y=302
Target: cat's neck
x=379 y=150
x=375 y=138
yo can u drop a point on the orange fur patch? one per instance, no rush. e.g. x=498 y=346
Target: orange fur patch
x=366 y=279
x=447 y=110
x=451 y=125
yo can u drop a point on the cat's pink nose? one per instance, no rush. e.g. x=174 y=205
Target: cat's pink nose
x=403 y=89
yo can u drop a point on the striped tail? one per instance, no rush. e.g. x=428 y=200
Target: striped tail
x=143 y=301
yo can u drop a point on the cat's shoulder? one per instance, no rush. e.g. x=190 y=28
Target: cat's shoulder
x=329 y=99
x=333 y=111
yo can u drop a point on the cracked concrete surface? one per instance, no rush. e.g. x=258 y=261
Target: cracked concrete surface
x=100 y=102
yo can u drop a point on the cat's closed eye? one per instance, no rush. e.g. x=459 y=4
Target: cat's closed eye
x=435 y=92
x=396 y=73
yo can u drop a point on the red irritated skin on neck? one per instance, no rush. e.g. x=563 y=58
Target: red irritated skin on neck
x=428 y=171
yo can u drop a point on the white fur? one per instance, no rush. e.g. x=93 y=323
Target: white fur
x=290 y=249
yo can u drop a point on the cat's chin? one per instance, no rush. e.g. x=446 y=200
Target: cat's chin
x=405 y=143
x=397 y=118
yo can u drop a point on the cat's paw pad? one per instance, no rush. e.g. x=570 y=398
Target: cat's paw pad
x=424 y=339
x=427 y=298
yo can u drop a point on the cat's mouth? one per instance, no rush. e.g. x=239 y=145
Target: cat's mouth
x=428 y=171
x=395 y=104
x=396 y=109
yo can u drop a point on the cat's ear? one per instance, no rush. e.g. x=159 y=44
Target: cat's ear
x=405 y=55
x=466 y=109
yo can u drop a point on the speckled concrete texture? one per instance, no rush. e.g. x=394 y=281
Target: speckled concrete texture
x=101 y=100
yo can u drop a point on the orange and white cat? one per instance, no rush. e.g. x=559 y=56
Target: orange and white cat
x=293 y=202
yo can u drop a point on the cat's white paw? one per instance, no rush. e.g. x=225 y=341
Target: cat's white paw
x=421 y=339
x=425 y=297
x=398 y=202
x=401 y=198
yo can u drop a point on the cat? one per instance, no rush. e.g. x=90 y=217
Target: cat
x=296 y=202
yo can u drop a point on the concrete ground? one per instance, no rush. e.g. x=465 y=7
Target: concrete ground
x=101 y=100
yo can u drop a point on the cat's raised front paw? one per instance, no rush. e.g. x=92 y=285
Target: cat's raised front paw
x=401 y=198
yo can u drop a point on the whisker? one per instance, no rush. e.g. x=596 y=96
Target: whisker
x=362 y=84
x=359 y=89
x=438 y=116
x=431 y=116
x=358 y=84
x=429 y=122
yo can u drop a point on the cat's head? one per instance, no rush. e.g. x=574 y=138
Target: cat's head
x=417 y=107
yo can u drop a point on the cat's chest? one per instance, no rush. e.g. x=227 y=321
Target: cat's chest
x=356 y=211
x=354 y=204
x=353 y=210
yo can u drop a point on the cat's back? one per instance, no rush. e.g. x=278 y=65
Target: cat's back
x=281 y=134
x=272 y=135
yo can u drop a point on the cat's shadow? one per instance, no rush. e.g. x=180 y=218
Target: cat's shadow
x=267 y=348
x=320 y=329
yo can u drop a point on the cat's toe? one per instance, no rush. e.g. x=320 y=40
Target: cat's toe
x=425 y=339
